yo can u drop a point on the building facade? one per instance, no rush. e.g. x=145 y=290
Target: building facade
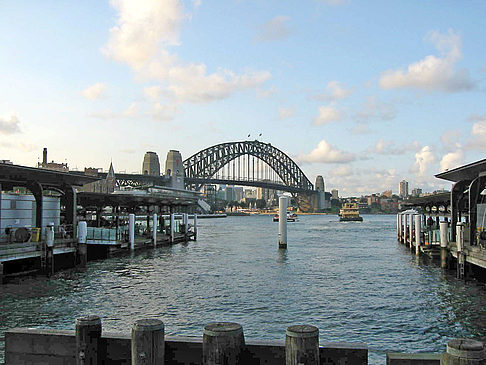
x=403 y=189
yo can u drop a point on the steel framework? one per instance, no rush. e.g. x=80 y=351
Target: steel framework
x=201 y=168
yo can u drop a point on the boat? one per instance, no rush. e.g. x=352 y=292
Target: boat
x=291 y=217
x=350 y=213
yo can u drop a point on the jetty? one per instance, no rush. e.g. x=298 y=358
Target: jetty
x=450 y=226
x=47 y=224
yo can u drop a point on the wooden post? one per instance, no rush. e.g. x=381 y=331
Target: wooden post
x=223 y=343
x=148 y=342
x=302 y=345
x=462 y=351
x=88 y=334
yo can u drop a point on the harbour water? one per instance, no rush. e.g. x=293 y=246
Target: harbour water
x=352 y=280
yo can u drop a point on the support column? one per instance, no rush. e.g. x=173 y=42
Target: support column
x=131 y=231
x=154 y=229
x=398 y=226
x=405 y=215
x=444 y=227
x=195 y=226
x=461 y=261
x=82 y=243
x=418 y=235
x=282 y=222
x=172 y=227
x=1 y=273
x=410 y=230
x=148 y=219
x=36 y=190
x=70 y=207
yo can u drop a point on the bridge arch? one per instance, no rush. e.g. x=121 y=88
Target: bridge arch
x=203 y=165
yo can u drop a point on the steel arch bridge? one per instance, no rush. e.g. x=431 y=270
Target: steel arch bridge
x=240 y=159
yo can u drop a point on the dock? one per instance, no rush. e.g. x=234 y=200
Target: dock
x=450 y=227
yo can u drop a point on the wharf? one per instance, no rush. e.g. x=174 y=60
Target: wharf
x=450 y=227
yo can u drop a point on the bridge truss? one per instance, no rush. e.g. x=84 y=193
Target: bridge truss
x=250 y=163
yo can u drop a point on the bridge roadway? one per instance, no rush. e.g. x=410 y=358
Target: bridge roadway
x=246 y=182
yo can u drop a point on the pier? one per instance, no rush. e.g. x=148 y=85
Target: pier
x=450 y=226
x=42 y=230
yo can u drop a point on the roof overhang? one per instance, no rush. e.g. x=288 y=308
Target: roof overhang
x=467 y=172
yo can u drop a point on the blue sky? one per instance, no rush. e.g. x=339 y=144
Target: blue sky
x=365 y=93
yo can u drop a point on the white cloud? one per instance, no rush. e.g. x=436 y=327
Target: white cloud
x=95 y=91
x=266 y=93
x=140 y=39
x=153 y=92
x=9 y=124
x=344 y=170
x=449 y=139
x=376 y=109
x=274 y=30
x=131 y=111
x=285 y=113
x=326 y=153
x=164 y=113
x=334 y=92
x=383 y=147
x=478 y=136
x=423 y=159
x=327 y=114
x=433 y=73
x=451 y=160
x=360 y=128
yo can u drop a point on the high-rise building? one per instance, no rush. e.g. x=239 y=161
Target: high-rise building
x=335 y=194
x=416 y=192
x=151 y=165
x=403 y=189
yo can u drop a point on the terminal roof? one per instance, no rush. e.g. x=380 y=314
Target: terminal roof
x=466 y=172
x=16 y=174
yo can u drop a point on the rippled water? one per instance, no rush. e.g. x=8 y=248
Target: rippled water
x=352 y=280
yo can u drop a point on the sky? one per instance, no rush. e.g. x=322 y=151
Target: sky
x=364 y=93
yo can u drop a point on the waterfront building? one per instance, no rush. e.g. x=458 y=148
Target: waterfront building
x=334 y=194
x=387 y=193
x=238 y=193
x=61 y=167
x=416 y=192
x=107 y=186
x=151 y=165
x=403 y=189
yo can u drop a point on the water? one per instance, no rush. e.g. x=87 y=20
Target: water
x=351 y=280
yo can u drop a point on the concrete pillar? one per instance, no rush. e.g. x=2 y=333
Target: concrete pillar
x=185 y=224
x=131 y=231
x=282 y=222
x=36 y=190
x=148 y=342
x=302 y=345
x=418 y=235
x=398 y=226
x=88 y=335
x=405 y=215
x=172 y=228
x=461 y=259
x=462 y=351
x=154 y=229
x=195 y=226
x=82 y=251
x=410 y=230
x=444 y=240
x=223 y=343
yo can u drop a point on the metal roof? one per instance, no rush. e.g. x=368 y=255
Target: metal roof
x=430 y=200
x=16 y=174
x=466 y=172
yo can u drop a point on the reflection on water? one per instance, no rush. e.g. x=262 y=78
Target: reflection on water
x=352 y=280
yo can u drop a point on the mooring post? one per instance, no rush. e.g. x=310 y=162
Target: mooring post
x=88 y=334
x=172 y=227
x=460 y=247
x=195 y=226
x=444 y=240
x=410 y=231
x=282 y=222
x=223 y=343
x=131 y=231
x=82 y=243
x=154 y=229
x=462 y=351
x=148 y=342
x=418 y=233
x=302 y=345
x=50 y=249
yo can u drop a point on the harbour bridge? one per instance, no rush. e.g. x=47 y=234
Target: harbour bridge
x=249 y=163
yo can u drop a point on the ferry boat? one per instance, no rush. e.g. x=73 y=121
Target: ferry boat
x=350 y=213
x=291 y=217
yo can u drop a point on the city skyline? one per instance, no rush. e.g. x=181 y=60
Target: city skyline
x=365 y=95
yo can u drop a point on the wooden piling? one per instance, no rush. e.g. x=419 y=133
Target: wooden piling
x=223 y=343
x=148 y=342
x=88 y=334
x=461 y=351
x=302 y=345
